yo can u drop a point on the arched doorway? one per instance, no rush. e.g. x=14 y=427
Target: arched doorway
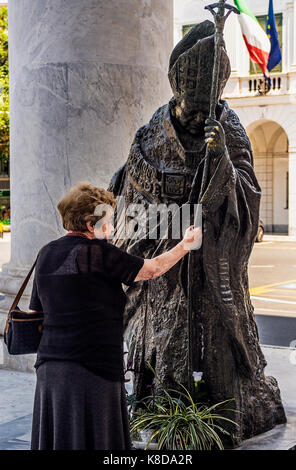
x=271 y=162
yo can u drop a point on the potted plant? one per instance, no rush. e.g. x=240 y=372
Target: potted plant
x=176 y=422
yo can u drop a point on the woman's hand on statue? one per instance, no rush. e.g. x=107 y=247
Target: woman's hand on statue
x=215 y=137
x=192 y=239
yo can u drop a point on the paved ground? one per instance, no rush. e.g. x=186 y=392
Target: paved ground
x=276 y=330
x=281 y=364
x=272 y=276
x=17 y=395
x=16 y=405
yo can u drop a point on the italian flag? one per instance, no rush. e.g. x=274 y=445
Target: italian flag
x=257 y=41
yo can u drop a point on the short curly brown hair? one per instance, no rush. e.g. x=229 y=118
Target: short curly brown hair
x=78 y=206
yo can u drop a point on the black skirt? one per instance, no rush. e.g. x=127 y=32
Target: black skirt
x=74 y=409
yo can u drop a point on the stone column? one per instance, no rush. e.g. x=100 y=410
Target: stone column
x=84 y=76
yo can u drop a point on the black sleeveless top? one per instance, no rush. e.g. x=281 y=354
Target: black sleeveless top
x=77 y=284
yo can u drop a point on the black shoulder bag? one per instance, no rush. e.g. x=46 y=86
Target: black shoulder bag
x=23 y=330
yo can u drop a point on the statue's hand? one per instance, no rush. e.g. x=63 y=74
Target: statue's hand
x=215 y=137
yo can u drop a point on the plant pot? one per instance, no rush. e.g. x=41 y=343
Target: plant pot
x=145 y=436
x=142 y=445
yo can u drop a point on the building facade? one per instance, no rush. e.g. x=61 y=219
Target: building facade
x=269 y=119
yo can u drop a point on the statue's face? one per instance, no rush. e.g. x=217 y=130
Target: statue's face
x=192 y=119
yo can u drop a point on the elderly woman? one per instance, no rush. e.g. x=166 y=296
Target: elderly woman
x=80 y=399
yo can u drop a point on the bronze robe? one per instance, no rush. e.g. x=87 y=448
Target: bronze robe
x=226 y=347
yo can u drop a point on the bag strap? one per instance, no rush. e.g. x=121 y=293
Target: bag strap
x=24 y=284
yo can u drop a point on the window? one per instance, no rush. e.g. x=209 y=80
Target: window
x=254 y=68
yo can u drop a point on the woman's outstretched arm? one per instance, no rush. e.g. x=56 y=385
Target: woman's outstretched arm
x=159 y=265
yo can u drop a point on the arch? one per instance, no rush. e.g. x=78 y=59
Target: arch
x=284 y=115
x=270 y=145
x=279 y=141
x=273 y=136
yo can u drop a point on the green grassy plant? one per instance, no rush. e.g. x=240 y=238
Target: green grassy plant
x=178 y=423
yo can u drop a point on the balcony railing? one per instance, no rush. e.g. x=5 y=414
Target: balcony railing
x=253 y=85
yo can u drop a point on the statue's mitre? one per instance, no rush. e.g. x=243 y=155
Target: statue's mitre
x=191 y=66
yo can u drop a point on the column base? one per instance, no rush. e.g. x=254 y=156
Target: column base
x=11 y=279
x=22 y=363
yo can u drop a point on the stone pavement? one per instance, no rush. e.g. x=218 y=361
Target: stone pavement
x=16 y=403
x=17 y=395
x=281 y=364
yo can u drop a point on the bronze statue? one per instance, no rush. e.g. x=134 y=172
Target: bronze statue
x=165 y=156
